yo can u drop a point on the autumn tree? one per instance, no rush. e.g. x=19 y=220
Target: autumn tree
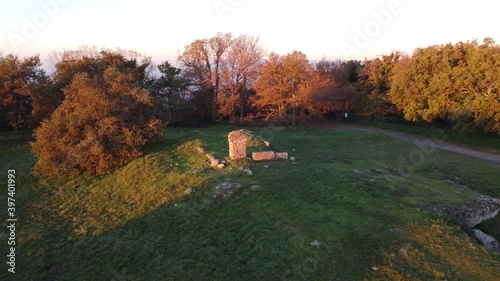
x=457 y=83
x=102 y=123
x=341 y=94
x=25 y=92
x=240 y=69
x=95 y=62
x=201 y=65
x=289 y=88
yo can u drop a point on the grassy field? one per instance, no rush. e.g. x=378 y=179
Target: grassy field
x=353 y=206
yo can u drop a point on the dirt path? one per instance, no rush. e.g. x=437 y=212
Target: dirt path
x=438 y=143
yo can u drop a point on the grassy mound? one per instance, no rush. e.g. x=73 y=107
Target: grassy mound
x=347 y=205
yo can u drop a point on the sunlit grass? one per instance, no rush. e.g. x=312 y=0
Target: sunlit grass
x=437 y=251
x=97 y=204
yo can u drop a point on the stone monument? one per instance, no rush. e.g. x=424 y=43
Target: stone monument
x=237 y=145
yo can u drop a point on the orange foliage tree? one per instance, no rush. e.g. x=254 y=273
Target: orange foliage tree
x=102 y=123
x=239 y=71
x=25 y=92
x=289 y=85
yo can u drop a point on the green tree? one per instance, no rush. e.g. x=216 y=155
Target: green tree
x=171 y=93
x=375 y=83
x=102 y=123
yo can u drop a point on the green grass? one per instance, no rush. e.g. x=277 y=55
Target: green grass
x=479 y=141
x=157 y=219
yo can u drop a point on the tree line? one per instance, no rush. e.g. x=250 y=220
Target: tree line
x=98 y=98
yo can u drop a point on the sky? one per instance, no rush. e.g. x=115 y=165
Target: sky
x=355 y=29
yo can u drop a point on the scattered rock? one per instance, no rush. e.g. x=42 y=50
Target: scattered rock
x=255 y=187
x=188 y=191
x=246 y=170
x=237 y=144
x=485 y=208
x=201 y=149
x=489 y=242
x=359 y=172
x=196 y=171
x=292 y=158
x=226 y=189
x=221 y=166
x=266 y=143
x=316 y=243
x=263 y=156
x=266 y=166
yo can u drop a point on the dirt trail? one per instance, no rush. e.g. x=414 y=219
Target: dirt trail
x=418 y=140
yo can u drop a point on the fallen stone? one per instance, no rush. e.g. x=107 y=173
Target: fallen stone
x=281 y=155
x=213 y=161
x=237 y=144
x=188 y=191
x=266 y=166
x=196 y=171
x=221 y=166
x=263 y=156
x=266 y=143
x=292 y=158
x=359 y=172
x=489 y=242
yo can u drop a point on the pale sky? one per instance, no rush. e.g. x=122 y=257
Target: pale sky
x=335 y=29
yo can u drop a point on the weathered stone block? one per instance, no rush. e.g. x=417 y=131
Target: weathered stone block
x=263 y=156
x=282 y=155
x=237 y=145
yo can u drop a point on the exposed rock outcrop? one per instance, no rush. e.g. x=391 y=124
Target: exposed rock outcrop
x=485 y=208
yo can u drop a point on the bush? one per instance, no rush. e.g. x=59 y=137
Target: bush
x=101 y=124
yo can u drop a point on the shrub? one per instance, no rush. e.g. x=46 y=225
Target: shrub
x=102 y=123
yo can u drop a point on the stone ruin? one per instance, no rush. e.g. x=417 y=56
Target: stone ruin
x=237 y=145
x=238 y=148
